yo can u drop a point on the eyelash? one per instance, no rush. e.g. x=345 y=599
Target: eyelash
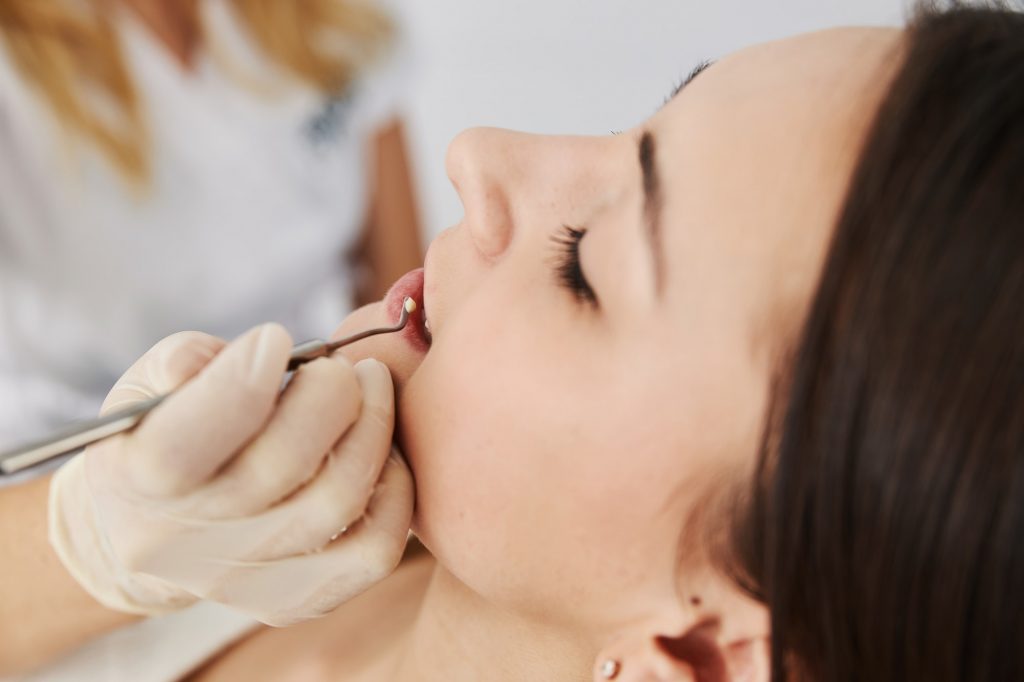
x=568 y=269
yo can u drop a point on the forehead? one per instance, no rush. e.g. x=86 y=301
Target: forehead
x=755 y=155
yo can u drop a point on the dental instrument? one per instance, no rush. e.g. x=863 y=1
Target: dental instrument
x=86 y=433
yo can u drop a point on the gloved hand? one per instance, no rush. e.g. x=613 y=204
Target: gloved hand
x=282 y=505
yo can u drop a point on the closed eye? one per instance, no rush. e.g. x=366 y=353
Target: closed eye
x=569 y=269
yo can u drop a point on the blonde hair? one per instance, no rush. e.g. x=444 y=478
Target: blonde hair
x=69 y=50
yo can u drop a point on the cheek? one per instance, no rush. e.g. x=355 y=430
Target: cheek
x=554 y=479
x=533 y=476
x=475 y=431
x=513 y=479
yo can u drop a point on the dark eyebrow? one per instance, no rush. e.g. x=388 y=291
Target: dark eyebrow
x=652 y=206
x=652 y=187
x=694 y=72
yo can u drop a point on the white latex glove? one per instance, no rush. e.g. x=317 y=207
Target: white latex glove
x=234 y=492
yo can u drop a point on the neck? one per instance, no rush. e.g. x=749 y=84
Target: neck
x=460 y=636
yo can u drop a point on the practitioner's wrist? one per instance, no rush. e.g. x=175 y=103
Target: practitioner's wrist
x=78 y=540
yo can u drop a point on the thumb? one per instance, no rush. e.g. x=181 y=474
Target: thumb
x=164 y=367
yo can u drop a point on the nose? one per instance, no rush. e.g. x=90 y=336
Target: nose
x=509 y=180
x=477 y=163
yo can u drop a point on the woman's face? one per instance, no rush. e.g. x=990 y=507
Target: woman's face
x=561 y=438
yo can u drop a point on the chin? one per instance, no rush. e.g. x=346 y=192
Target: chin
x=408 y=443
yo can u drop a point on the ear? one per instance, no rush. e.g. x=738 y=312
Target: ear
x=729 y=644
x=714 y=660
x=696 y=656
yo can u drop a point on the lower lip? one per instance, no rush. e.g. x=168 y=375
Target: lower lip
x=409 y=286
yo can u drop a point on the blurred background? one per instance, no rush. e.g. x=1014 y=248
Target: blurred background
x=575 y=66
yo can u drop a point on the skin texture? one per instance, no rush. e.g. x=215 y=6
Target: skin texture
x=559 y=449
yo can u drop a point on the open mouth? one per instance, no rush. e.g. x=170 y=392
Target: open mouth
x=426 y=324
x=419 y=326
x=417 y=332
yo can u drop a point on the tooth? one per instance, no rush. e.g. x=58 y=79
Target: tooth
x=426 y=324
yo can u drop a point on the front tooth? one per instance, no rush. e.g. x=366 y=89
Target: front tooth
x=426 y=324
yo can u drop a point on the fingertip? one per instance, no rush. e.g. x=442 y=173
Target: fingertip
x=181 y=356
x=269 y=352
x=396 y=457
x=372 y=371
x=277 y=330
x=374 y=363
x=165 y=367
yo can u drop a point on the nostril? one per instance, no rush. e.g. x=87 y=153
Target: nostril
x=491 y=231
x=480 y=168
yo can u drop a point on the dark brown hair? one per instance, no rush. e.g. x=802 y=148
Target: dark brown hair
x=885 y=531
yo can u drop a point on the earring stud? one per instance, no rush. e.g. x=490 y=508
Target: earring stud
x=610 y=669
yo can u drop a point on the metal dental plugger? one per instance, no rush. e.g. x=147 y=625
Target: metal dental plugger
x=86 y=433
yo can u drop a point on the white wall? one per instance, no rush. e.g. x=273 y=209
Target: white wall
x=576 y=66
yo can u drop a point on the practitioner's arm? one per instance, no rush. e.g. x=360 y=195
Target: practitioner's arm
x=392 y=243
x=43 y=611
